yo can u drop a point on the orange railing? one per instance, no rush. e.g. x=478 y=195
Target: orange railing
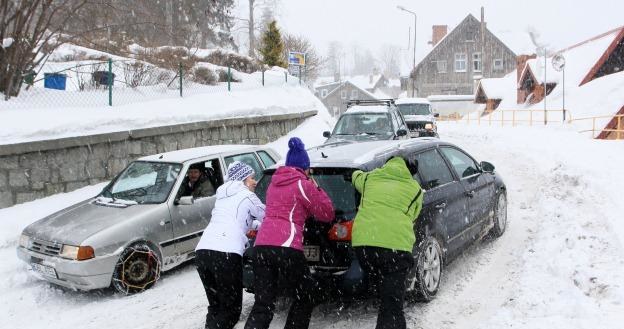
x=619 y=131
x=513 y=117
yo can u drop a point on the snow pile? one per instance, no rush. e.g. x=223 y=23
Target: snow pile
x=6 y=43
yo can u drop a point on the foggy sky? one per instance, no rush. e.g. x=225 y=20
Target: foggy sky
x=371 y=23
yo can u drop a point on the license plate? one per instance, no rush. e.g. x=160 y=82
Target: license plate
x=44 y=270
x=312 y=253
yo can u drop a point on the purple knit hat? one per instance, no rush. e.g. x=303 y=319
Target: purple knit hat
x=297 y=155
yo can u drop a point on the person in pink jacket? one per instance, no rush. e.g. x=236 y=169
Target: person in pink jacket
x=292 y=197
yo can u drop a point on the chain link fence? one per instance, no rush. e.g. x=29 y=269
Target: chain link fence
x=93 y=83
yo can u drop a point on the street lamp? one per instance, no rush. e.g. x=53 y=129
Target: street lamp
x=414 y=63
x=558 y=63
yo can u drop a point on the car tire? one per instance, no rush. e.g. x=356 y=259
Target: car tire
x=500 y=216
x=137 y=269
x=424 y=278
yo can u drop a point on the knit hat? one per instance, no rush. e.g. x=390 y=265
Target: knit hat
x=297 y=155
x=239 y=171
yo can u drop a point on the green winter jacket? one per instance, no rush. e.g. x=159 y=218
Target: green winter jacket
x=391 y=201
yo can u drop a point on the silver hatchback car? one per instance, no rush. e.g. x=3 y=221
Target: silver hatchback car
x=140 y=225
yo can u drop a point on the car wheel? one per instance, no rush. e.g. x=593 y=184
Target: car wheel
x=137 y=269
x=500 y=216
x=424 y=279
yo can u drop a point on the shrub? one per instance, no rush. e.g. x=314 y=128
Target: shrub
x=238 y=62
x=204 y=76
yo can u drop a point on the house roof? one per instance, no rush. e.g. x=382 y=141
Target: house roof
x=365 y=81
x=495 y=88
x=341 y=84
x=618 y=40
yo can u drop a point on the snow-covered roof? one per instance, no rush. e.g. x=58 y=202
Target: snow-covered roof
x=367 y=109
x=363 y=91
x=197 y=152
x=379 y=94
x=365 y=81
x=439 y=98
x=496 y=88
x=414 y=100
x=603 y=96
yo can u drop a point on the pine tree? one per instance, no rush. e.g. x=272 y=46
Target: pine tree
x=272 y=49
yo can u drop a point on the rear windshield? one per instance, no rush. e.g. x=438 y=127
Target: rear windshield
x=335 y=181
x=414 y=109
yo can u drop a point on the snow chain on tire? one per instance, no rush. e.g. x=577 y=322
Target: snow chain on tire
x=146 y=258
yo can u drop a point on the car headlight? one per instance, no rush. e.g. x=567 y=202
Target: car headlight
x=429 y=126
x=77 y=253
x=24 y=241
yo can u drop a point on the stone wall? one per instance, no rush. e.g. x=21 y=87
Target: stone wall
x=33 y=170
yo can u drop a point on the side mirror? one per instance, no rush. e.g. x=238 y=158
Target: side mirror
x=326 y=134
x=401 y=132
x=436 y=115
x=487 y=167
x=185 y=201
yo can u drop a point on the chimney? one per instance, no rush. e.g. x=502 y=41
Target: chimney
x=439 y=32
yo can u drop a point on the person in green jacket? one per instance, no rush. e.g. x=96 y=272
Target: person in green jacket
x=383 y=233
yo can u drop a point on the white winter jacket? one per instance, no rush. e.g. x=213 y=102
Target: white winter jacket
x=236 y=211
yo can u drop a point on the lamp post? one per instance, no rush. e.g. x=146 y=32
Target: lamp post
x=558 y=63
x=414 y=63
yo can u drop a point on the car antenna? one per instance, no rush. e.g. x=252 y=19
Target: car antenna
x=323 y=155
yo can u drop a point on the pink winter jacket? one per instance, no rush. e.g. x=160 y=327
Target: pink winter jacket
x=290 y=199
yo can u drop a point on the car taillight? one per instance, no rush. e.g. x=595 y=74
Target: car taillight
x=341 y=231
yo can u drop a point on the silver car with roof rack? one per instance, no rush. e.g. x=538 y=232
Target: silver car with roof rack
x=137 y=226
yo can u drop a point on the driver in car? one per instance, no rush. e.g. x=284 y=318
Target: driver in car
x=196 y=183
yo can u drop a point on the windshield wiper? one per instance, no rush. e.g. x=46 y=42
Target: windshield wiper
x=370 y=133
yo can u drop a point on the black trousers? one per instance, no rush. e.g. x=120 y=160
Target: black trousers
x=275 y=269
x=222 y=276
x=387 y=269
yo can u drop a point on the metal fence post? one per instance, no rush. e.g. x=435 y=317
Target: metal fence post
x=229 y=78
x=299 y=74
x=262 y=78
x=110 y=82
x=180 y=79
x=286 y=76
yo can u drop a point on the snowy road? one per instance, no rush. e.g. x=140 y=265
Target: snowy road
x=559 y=265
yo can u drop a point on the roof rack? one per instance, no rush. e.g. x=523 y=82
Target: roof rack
x=388 y=101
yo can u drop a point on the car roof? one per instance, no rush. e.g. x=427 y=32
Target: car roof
x=368 y=109
x=181 y=156
x=358 y=154
x=412 y=101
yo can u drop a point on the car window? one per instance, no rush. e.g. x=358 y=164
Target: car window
x=364 y=123
x=415 y=109
x=432 y=170
x=266 y=159
x=463 y=165
x=248 y=158
x=144 y=182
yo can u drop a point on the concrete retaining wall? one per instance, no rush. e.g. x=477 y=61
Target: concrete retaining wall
x=33 y=170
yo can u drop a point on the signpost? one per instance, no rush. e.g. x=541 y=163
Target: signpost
x=296 y=60
x=558 y=63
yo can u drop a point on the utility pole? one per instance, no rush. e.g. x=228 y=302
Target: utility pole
x=414 y=62
x=252 y=37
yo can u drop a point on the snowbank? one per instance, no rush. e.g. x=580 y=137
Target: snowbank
x=38 y=124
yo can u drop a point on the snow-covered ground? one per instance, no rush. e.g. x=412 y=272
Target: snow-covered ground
x=68 y=122
x=559 y=264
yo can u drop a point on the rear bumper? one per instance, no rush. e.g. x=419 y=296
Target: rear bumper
x=343 y=283
x=85 y=275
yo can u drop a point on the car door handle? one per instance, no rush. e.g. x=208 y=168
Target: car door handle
x=440 y=205
x=470 y=194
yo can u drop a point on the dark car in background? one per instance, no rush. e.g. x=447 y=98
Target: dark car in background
x=419 y=116
x=464 y=201
x=367 y=120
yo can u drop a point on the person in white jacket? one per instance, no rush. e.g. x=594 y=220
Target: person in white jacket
x=219 y=253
